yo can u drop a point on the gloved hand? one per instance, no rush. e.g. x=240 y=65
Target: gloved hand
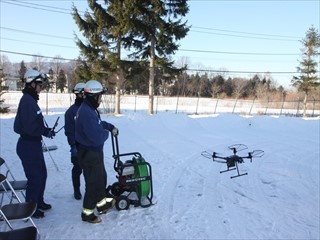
x=50 y=133
x=73 y=151
x=105 y=125
x=115 y=131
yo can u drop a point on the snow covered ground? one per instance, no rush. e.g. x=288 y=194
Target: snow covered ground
x=278 y=199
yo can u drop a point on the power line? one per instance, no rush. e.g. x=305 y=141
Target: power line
x=259 y=35
x=240 y=36
x=35 y=33
x=36 y=55
x=39 y=43
x=36 y=6
x=246 y=33
x=189 y=69
x=240 y=53
x=247 y=72
x=185 y=50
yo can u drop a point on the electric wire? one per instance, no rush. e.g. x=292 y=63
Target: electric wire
x=42 y=7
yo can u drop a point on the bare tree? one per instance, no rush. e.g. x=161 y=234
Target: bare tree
x=239 y=85
x=38 y=63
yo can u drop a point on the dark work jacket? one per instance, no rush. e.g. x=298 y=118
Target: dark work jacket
x=89 y=132
x=29 y=122
x=69 y=122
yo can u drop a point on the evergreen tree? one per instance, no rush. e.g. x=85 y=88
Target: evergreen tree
x=105 y=30
x=61 y=81
x=2 y=90
x=157 y=26
x=21 y=73
x=147 y=28
x=307 y=68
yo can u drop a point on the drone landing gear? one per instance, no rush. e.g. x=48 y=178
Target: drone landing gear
x=234 y=160
x=233 y=166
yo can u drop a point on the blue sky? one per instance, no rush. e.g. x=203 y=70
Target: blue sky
x=242 y=37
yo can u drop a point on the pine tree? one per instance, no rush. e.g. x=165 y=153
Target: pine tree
x=309 y=76
x=157 y=26
x=21 y=73
x=2 y=91
x=61 y=81
x=148 y=28
x=104 y=29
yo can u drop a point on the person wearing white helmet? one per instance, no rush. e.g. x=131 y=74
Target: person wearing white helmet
x=90 y=134
x=69 y=130
x=30 y=125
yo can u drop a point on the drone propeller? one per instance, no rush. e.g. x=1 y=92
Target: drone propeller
x=206 y=154
x=237 y=147
x=256 y=154
x=213 y=156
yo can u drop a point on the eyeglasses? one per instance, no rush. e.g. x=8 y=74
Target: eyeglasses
x=39 y=84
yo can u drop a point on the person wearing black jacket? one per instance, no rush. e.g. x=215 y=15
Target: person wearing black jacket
x=69 y=127
x=90 y=134
x=29 y=124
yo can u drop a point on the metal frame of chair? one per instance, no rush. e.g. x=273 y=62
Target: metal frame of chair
x=16 y=211
x=26 y=233
x=17 y=185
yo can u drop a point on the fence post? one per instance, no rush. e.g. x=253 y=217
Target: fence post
x=265 y=112
x=177 y=104
x=314 y=105
x=282 y=107
x=157 y=104
x=135 y=102
x=234 y=107
x=197 y=103
x=298 y=107
x=252 y=105
x=215 y=109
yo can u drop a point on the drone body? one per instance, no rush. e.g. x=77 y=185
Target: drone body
x=234 y=160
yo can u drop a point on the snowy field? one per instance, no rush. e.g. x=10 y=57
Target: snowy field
x=278 y=199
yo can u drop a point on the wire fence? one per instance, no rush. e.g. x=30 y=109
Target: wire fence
x=53 y=102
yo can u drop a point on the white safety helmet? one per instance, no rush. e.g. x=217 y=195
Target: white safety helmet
x=93 y=87
x=34 y=75
x=78 y=88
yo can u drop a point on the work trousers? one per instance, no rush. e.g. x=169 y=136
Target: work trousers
x=95 y=177
x=31 y=155
x=75 y=173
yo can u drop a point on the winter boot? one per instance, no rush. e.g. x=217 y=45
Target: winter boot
x=105 y=205
x=38 y=214
x=77 y=194
x=87 y=215
x=76 y=186
x=44 y=206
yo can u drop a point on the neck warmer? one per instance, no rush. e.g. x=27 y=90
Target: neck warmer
x=93 y=100
x=31 y=91
x=78 y=101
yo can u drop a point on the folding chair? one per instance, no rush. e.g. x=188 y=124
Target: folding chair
x=16 y=211
x=48 y=149
x=26 y=233
x=17 y=185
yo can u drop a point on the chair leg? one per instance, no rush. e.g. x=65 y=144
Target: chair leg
x=34 y=224
x=6 y=220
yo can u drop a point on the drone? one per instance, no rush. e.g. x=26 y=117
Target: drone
x=234 y=160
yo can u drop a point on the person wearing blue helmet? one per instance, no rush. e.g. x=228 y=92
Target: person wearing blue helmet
x=30 y=125
x=90 y=134
x=69 y=127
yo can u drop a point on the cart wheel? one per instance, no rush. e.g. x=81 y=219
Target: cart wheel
x=116 y=189
x=122 y=203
